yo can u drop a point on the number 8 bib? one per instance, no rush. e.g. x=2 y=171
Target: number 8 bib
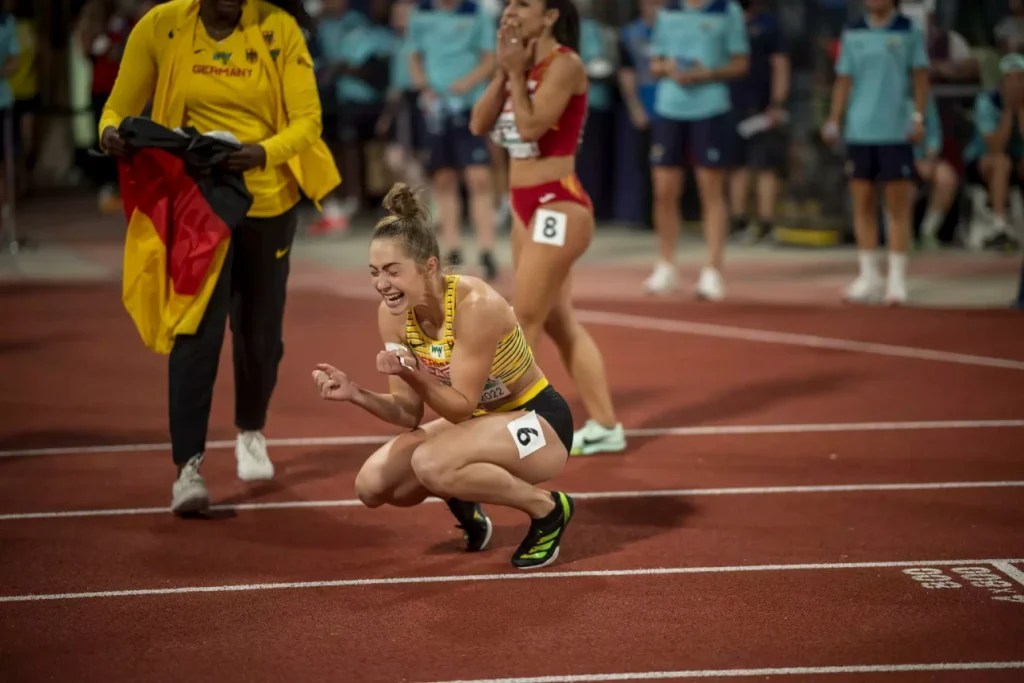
x=549 y=227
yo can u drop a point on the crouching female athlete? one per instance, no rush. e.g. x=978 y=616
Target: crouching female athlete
x=535 y=107
x=502 y=429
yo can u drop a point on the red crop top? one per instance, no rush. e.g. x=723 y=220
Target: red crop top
x=561 y=139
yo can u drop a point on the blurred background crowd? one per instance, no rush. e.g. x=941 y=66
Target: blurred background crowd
x=68 y=56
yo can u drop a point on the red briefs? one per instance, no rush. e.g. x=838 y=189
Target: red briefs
x=526 y=200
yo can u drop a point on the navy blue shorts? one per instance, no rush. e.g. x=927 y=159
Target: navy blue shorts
x=882 y=163
x=706 y=143
x=454 y=146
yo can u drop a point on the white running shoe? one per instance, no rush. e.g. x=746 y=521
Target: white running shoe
x=865 y=289
x=189 y=493
x=895 y=292
x=251 y=453
x=663 y=280
x=594 y=438
x=710 y=286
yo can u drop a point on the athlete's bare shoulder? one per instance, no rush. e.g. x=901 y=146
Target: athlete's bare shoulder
x=477 y=299
x=567 y=67
x=570 y=58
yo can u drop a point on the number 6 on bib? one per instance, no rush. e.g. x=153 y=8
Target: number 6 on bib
x=549 y=227
x=527 y=433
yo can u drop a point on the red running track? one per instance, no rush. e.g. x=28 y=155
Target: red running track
x=697 y=580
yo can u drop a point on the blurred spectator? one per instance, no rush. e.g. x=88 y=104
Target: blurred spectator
x=882 y=61
x=833 y=16
x=9 y=53
x=696 y=50
x=401 y=122
x=952 y=60
x=24 y=84
x=937 y=173
x=594 y=159
x=1009 y=32
x=638 y=86
x=996 y=151
x=763 y=92
x=952 y=63
x=499 y=155
x=101 y=32
x=355 y=54
x=452 y=58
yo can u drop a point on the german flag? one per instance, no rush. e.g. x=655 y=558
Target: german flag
x=180 y=211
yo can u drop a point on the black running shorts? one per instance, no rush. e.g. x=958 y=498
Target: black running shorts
x=550 y=405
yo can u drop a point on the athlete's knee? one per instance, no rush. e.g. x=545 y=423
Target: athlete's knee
x=530 y=318
x=372 y=486
x=561 y=326
x=369 y=489
x=478 y=180
x=667 y=189
x=395 y=159
x=998 y=164
x=946 y=177
x=446 y=180
x=369 y=495
x=432 y=469
x=711 y=186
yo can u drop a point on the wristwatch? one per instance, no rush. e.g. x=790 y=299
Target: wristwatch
x=917 y=117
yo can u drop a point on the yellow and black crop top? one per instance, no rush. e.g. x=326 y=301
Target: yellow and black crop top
x=511 y=360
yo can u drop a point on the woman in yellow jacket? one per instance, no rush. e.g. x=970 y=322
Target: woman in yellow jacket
x=240 y=66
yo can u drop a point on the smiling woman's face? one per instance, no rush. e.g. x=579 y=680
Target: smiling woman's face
x=397 y=277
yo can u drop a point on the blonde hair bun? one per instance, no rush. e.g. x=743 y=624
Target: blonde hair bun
x=402 y=202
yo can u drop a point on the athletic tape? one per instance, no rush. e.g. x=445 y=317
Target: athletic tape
x=395 y=349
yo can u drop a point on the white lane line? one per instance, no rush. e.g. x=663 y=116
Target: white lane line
x=592 y=495
x=714 y=430
x=1011 y=571
x=520 y=576
x=641 y=322
x=735 y=673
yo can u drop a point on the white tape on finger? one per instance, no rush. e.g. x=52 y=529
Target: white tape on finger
x=528 y=434
x=549 y=227
x=397 y=350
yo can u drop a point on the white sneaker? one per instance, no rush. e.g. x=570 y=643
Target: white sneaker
x=663 y=280
x=251 y=453
x=710 y=286
x=895 y=292
x=189 y=493
x=594 y=438
x=865 y=290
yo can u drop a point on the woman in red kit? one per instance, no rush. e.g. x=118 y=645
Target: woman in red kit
x=535 y=107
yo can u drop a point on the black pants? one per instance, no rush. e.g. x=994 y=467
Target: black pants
x=594 y=161
x=251 y=292
x=644 y=168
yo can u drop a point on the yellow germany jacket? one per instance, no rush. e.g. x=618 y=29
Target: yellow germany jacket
x=151 y=67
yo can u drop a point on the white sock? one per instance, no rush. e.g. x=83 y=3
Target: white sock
x=897 y=267
x=331 y=208
x=869 y=264
x=931 y=222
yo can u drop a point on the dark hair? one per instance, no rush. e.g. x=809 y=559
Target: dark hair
x=567 y=29
x=410 y=222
